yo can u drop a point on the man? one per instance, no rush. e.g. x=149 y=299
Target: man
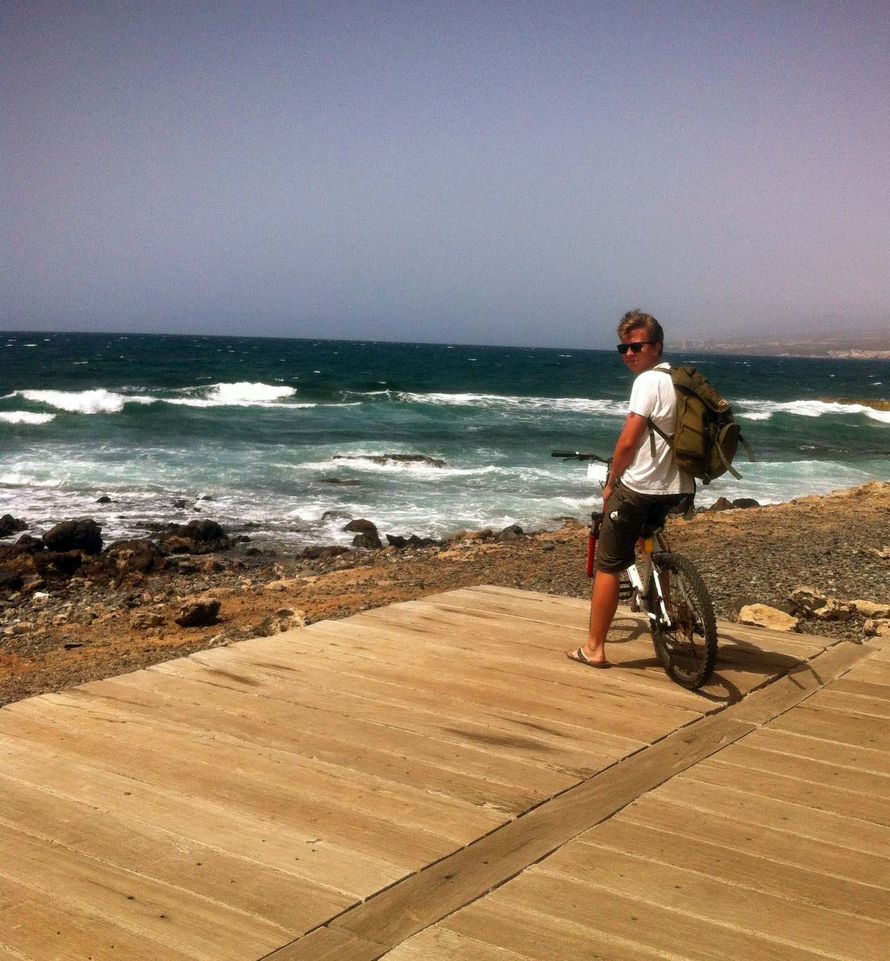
x=644 y=482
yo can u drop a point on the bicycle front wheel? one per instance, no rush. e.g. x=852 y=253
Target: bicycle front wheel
x=687 y=645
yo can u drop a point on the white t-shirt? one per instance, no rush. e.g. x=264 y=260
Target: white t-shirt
x=653 y=396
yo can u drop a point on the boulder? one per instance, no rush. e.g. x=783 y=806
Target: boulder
x=58 y=562
x=807 y=599
x=198 y=612
x=104 y=499
x=361 y=526
x=877 y=627
x=762 y=615
x=196 y=537
x=833 y=610
x=136 y=555
x=27 y=544
x=321 y=552
x=721 y=504
x=82 y=534
x=369 y=540
x=871 y=609
x=510 y=533
x=284 y=619
x=388 y=459
x=745 y=503
x=11 y=525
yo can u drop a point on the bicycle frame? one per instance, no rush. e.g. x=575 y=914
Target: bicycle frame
x=642 y=582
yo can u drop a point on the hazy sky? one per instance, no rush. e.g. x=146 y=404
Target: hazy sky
x=514 y=172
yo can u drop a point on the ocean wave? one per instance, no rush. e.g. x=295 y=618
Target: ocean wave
x=583 y=405
x=765 y=409
x=25 y=417
x=240 y=394
x=99 y=401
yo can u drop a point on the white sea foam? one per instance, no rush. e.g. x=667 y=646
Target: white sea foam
x=582 y=405
x=765 y=409
x=99 y=401
x=25 y=417
x=241 y=394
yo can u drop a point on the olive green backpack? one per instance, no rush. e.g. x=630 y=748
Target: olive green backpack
x=706 y=435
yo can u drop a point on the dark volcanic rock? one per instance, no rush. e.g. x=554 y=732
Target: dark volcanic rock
x=370 y=540
x=394 y=459
x=361 y=526
x=510 y=533
x=139 y=554
x=318 y=552
x=196 y=537
x=721 y=504
x=745 y=502
x=83 y=534
x=198 y=612
x=10 y=525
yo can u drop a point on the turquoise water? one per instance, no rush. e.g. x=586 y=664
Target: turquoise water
x=247 y=431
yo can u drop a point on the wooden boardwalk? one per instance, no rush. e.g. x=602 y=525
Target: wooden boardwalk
x=434 y=780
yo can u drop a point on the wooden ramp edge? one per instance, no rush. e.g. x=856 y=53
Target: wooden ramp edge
x=370 y=930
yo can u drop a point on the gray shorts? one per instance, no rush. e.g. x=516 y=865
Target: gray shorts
x=625 y=515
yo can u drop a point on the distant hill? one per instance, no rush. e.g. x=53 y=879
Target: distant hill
x=857 y=344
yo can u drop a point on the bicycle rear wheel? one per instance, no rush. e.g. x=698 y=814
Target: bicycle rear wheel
x=687 y=647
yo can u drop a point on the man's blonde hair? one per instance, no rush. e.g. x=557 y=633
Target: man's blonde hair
x=637 y=320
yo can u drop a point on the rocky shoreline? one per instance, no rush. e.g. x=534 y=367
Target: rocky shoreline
x=73 y=610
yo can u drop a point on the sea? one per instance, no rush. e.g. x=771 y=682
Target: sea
x=284 y=440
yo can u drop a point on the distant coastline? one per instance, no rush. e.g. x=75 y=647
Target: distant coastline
x=864 y=345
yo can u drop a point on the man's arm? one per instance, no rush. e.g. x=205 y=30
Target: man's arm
x=625 y=448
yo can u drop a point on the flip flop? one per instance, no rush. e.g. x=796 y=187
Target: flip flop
x=582 y=658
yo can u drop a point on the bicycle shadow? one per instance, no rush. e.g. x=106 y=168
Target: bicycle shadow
x=741 y=665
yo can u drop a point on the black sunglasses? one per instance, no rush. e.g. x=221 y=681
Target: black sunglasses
x=634 y=348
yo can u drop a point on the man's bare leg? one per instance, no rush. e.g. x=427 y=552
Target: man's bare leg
x=603 y=604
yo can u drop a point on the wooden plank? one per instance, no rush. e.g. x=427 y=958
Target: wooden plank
x=561 y=745
x=694 y=824
x=265 y=840
x=33 y=930
x=572 y=702
x=537 y=918
x=861 y=705
x=422 y=899
x=749 y=757
x=699 y=895
x=870 y=688
x=360 y=745
x=732 y=866
x=808 y=794
x=799 y=745
x=844 y=830
x=837 y=726
x=282 y=899
x=196 y=744
x=360 y=815
x=173 y=917
x=440 y=944
x=529 y=660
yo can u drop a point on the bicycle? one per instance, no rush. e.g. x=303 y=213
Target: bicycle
x=670 y=592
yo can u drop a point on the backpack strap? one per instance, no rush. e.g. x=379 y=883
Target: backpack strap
x=653 y=427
